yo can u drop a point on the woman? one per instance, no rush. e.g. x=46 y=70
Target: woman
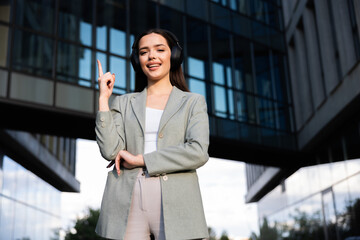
x=157 y=138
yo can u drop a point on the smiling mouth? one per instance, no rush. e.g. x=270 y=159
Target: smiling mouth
x=153 y=65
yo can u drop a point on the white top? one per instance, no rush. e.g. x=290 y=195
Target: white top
x=152 y=121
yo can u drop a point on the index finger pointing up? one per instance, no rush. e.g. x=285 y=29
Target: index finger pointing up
x=99 y=68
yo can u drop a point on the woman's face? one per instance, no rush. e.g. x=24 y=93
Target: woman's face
x=154 y=56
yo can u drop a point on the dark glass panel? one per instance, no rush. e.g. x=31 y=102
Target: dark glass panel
x=32 y=53
x=269 y=137
x=198 y=9
x=266 y=112
x=227 y=128
x=197 y=49
x=276 y=38
x=243 y=6
x=36 y=14
x=172 y=21
x=336 y=149
x=279 y=76
x=283 y=116
x=263 y=75
x=241 y=106
x=260 y=32
x=75 y=20
x=259 y=10
x=111 y=26
x=73 y=64
x=351 y=135
x=243 y=68
x=179 y=5
x=5 y=9
x=220 y=16
x=221 y=56
x=233 y=4
x=142 y=16
x=241 y=25
x=4 y=32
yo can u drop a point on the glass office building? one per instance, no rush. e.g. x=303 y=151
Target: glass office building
x=30 y=207
x=234 y=54
x=318 y=197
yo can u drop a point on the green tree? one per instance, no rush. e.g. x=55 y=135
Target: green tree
x=212 y=233
x=84 y=228
x=267 y=232
x=224 y=236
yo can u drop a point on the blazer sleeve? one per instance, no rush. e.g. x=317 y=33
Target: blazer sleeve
x=109 y=129
x=191 y=154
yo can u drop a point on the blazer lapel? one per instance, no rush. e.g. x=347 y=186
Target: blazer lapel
x=175 y=101
x=138 y=104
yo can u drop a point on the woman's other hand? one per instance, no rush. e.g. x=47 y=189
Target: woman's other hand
x=128 y=160
x=106 y=86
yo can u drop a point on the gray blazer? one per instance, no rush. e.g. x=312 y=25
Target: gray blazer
x=182 y=147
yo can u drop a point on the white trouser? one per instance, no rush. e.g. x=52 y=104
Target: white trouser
x=146 y=215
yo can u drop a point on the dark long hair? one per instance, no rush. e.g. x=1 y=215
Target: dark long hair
x=176 y=76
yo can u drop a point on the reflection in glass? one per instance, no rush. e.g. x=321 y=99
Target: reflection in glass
x=263 y=79
x=329 y=214
x=118 y=67
x=266 y=112
x=6 y=218
x=319 y=205
x=196 y=68
x=241 y=106
x=29 y=205
x=220 y=16
x=197 y=86
x=4 y=31
x=219 y=73
x=9 y=177
x=74 y=64
x=147 y=11
x=198 y=8
x=243 y=6
x=231 y=104
x=75 y=18
x=111 y=26
x=32 y=53
x=5 y=7
x=117 y=42
x=35 y=14
x=220 y=101
x=101 y=37
x=197 y=49
x=170 y=19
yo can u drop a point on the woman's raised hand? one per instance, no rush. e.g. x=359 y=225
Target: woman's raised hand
x=106 y=86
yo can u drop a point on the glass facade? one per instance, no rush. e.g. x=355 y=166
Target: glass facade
x=317 y=202
x=230 y=55
x=29 y=207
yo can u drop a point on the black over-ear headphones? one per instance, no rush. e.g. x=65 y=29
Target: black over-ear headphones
x=176 y=52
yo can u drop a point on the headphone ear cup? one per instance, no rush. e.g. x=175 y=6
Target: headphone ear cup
x=176 y=57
